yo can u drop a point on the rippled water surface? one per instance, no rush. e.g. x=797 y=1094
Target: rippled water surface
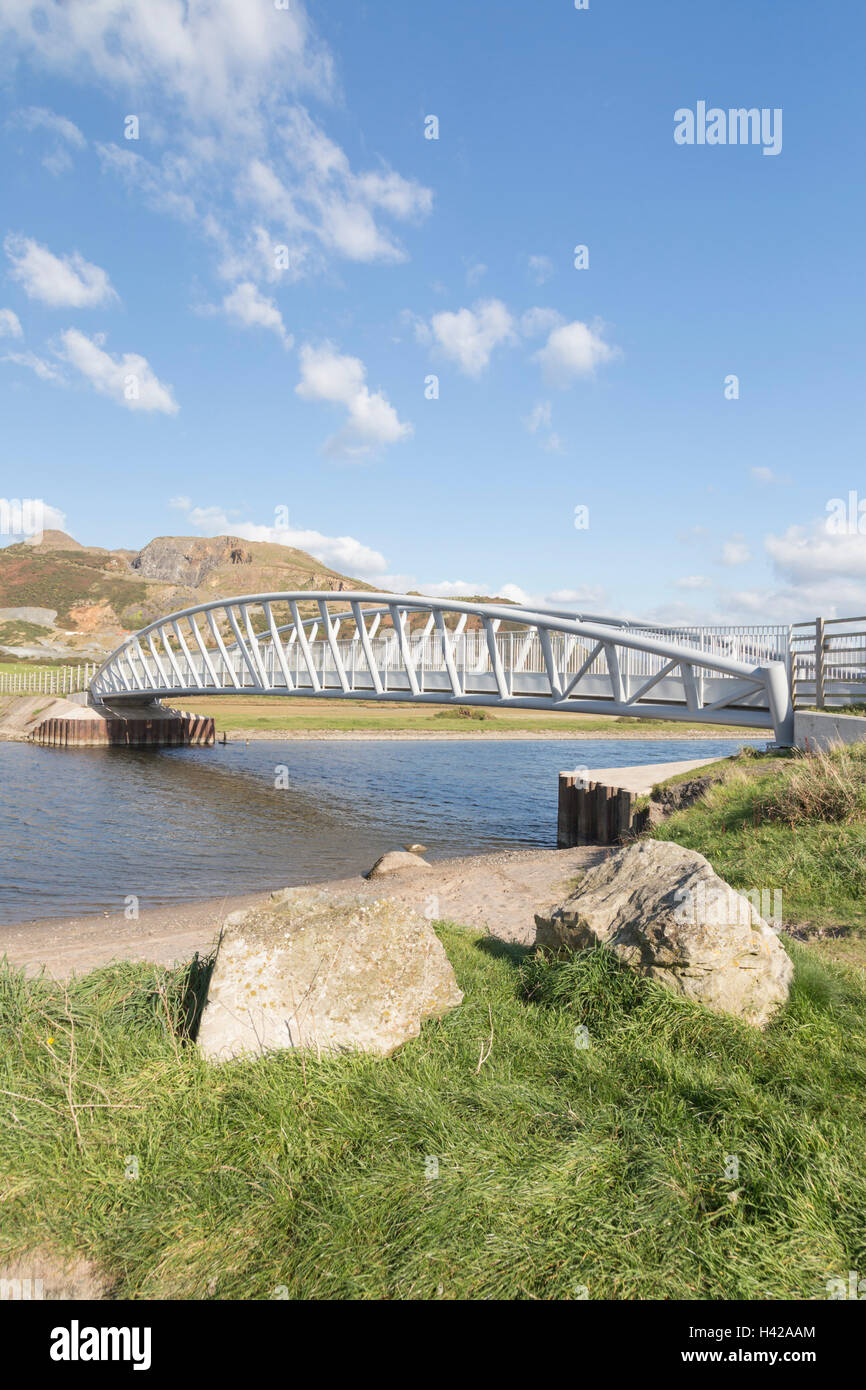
x=81 y=829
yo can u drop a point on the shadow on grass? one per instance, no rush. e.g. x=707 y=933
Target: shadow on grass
x=510 y=951
x=190 y=996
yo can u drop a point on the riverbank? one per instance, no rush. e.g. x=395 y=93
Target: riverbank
x=672 y=733
x=497 y=893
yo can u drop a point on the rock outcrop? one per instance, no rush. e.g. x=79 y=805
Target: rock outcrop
x=187 y=560
x=313 y=970
x=394 y=861
x=665 y=913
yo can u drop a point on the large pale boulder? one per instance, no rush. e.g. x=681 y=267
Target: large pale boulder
x=395 y=861
x=313 y=970
x=665 y=913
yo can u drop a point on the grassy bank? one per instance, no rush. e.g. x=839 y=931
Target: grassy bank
x=560 y=1168
x=790 y=824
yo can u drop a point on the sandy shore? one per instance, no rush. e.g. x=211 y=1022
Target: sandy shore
x=498 y=893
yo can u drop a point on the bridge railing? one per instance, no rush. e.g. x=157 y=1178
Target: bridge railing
x=829 y=663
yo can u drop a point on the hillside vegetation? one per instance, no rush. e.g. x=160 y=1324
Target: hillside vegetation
x=103 y=593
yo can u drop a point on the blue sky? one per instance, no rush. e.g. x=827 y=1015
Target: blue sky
x=239 y=311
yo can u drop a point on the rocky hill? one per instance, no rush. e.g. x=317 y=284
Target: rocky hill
x=61 y=598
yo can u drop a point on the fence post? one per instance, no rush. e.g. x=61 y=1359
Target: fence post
x=819 y=662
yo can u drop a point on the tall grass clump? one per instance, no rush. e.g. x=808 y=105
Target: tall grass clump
x=794 y=824
x=822 y=786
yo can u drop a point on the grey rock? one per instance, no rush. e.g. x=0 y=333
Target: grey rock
x=187 y=560
x=666 y=914
x=314 y=970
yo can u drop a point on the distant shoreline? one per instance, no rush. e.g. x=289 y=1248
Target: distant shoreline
x=449 y=736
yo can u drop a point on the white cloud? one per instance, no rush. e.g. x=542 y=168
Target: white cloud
x=219 y=90
x=327 y=375
x=539 y=417
x=65 y=135
x=540 y=268
x=694 y=581
x=735 y=551
x=218 y=60
x=537 y=321
x=10 y=324
x=805 y=555
x=44 y=370
x=470 y=336
x=248 y=306
x=766 y=476
x=343 y=553
x=574 y=350
x=128 y=380
x=58 y=281
x=451 y=588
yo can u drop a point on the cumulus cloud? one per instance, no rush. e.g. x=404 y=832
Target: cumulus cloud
x=216 y=60
x=10 y=324
x=327 y=375
x=470 y=336
x=233 y=151
x=574 y=350
x=806 y=554
x=58 y=281
x=343 y=553
x=248 y=306
x=128 y=380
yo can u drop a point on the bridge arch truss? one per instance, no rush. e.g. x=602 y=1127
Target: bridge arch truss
x=397 y=647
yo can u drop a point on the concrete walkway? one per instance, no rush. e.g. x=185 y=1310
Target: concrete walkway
x=641 y=780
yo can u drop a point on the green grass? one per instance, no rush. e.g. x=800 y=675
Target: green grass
x=559 y=1166
x=765 y=826
x=279 y=714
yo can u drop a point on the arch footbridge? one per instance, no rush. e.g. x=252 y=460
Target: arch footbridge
x=398 y=647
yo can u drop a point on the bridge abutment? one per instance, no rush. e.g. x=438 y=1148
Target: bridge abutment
x=140 y=725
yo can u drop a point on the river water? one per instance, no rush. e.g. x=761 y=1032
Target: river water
x=80 y=829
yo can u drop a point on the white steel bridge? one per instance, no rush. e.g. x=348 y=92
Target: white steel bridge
x=362 y=646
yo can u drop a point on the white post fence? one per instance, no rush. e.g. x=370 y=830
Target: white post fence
x=48 y=680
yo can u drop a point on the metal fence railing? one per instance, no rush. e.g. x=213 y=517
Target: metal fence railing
x=48 y=680
x=828 y=662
